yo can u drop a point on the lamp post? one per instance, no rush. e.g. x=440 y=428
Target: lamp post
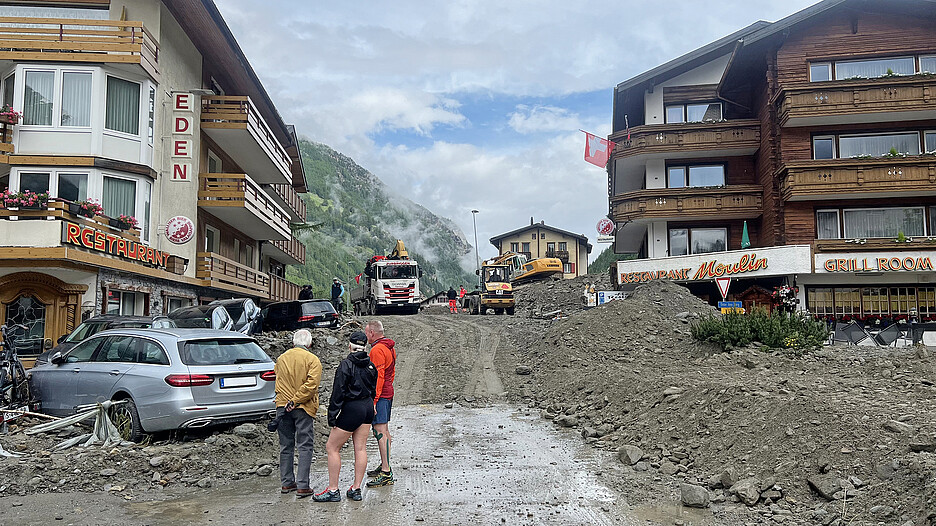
x=347 y=290
x=474 y=214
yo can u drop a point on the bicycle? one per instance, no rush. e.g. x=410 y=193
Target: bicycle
x=14 y=386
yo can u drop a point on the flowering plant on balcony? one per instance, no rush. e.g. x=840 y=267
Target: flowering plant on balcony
x=124 y=221
x=90 y=208
x=25 y=199
x=9 y=115
x=784 y=298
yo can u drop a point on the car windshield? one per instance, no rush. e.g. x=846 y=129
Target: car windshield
x=193 y=318
x=86 y=330
x=317 y=307
x=398 y=272
x=222 y=352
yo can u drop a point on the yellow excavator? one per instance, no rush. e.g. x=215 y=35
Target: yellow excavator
x=521 y=270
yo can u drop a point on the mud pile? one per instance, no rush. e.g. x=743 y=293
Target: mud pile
x=536 y=299
x=800 y=433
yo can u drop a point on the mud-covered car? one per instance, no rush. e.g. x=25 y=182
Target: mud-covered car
x=94 y=325
x=303 y=314
x=170 y=378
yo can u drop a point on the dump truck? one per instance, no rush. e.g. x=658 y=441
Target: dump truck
x=494 y=290
x=388 y=285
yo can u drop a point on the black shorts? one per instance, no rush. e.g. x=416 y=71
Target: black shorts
x=355 y=413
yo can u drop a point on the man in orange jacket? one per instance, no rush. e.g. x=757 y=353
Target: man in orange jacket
x=383 y=356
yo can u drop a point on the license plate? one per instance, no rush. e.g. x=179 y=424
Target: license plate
x=500 y=292
x=238 y=381
x=322 y=323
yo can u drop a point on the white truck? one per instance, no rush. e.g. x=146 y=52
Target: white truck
x=389 y=285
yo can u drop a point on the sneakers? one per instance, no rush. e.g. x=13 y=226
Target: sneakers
x=384 y=478
x=374 y=472
x=327 y=496
x=354 y=494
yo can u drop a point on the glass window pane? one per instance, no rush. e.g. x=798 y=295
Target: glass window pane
x=123 y=106
x=874 y=68
x=707 y=175
x=708 y=112
x=678 y=241
x=76 y=99
x=8 y=86
x=34 y=182
x=144 y=223
x=151 y=353
x=878 y=145
x=819 y=72
x=674 y=113
x=151 y=123
x=37 y=99
x=823 y=148
x=927 y=64
x=930 y=142
x=83 y=351
x=706 y=240
x=827 y=225
x=73 y=187
x=883 y=222
x=676 y=177
x=119 y=197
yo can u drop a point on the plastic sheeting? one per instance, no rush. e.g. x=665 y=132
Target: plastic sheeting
x=104 y=433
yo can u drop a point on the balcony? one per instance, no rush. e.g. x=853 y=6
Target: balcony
x=562 y=255
x=858 y=178
x=289 y=199
x=883 y=245
x=222 y=273
x=726 y=202
x=290 y=252
x=238 y=201
x=79 y=40
x=234 y=123
x=858 y=101
x=283 y=290
x=690 y=139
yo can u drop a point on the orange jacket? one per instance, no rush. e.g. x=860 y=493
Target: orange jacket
x=383 y=356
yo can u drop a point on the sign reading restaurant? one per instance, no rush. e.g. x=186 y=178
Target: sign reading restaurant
x=96 y=240
x=770 y=261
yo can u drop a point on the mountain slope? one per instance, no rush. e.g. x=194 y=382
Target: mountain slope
x=354 y=215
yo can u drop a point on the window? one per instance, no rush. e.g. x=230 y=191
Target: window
x=878 y=145
x=151 y=121
x=515 y=247
x=568 y=268
x=824 y=147
x=117 y=349
x=874 y=301
x=902 y=299
x=526 y=248
x=151 y=353
x=930 y=142
x=212 y=239
x=676 y=177
x=847 y=301
x=37 y=99
x=551 y=246
x=238 y=251
x=146 y=196
x=176 y=303
x=83 y=351
x=819 y=301
x=699 y=176
x=214 y=163
x=678 y=241
x=874 y=68
x=562 y=246
x=542 y=236
x=883 y=222
x=9 y=84
x=705 y=240
x=674 y=114
x=119 y=197
x=932 y=219
x=694 y=112
x=73 y=187
x=76 y=99
x=928 y=64
x=820 y=72
x=249 y=258
x=34 y=182
x=123 y=303
x=827 y=224
x=123 y=106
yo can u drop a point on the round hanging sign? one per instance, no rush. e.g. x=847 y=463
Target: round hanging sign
x=180 y=230
x=605 y=227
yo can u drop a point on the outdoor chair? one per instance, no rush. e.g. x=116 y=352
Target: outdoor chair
x=888 y=335
x=851 y=333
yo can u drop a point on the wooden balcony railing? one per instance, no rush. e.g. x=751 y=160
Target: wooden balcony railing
x=824 y=179
x=293 y=247
x=239 y=190
x=840 y=101
x=282 y=289
x=223 y=273
x=563 y=255
x=726 y=202
x=239 y=113
x=689 y=136
x=79 y=40
x=292 y=200
x=61 y=210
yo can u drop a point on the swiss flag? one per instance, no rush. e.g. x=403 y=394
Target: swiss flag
x=597 y=150
x=357 y=279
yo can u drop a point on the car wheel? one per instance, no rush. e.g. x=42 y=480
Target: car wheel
x=127 y=421
x=510 y=311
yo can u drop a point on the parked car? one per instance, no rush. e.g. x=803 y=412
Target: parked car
x=94 y=325
x=171 y=379
x=304 y=314
x=202 y=317
x=244 y=313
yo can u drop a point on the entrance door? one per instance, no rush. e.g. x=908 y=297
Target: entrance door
x=28 y=311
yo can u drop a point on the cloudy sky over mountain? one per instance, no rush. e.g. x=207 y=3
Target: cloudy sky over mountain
x=474 y=103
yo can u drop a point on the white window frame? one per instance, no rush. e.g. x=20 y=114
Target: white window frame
x=925 y=133
x=58 y=82
x=844 y=210
x=920 y=62
x=823 y=137
x=142 y=110
x=838 y=222
x=828 y=66
x=217 y=237
x=850 y=61
x=723 y=229
x=686 y=168
x=882 y=134
x=214 y=157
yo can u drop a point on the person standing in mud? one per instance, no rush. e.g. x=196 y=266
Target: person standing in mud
x=383 y=355
x=350 y=413
x=453 y=298
x=298 y=374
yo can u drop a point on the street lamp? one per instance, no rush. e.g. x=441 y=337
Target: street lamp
x=474 y=214
x=348 y=290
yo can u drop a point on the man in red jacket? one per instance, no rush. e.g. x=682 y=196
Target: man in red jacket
x=383 y=356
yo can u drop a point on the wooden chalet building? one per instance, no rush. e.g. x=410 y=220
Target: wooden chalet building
x=151 y=109
x=817 y=132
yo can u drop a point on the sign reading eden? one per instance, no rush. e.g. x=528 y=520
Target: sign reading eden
x=183 y=129
x=884 y=264
x=707 y=270
x=93 y=239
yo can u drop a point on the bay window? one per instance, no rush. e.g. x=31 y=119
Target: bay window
x=683 y=241
x=119 y=197
x=698 y=176
x=37 y=98
x=122 y=110
x=34 y=182
x=73 y=187
x=76 y=99
x=864 y=223
x=9 y=89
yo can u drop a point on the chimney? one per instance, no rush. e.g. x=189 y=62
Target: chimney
x=531 y=220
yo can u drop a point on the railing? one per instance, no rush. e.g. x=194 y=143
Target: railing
x=6 y=138
x=238 y=112
x=283 y=290
x=239 y=190
x=728 y=202
x=78 y=40
x=224 y=273
x=692 y=136
x=822 y=100
x=822 y=179
x=292 y=199
x=293 y=247
x=873 y=244
x=61 y=210
x=563 y=255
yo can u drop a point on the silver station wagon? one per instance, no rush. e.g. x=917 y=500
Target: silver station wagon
x=171 y=379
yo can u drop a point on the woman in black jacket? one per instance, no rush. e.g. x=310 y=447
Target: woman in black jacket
x=350 y=413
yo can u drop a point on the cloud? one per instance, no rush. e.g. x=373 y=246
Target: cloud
x=542 y=119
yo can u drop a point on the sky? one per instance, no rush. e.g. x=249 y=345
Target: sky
x=474 y=104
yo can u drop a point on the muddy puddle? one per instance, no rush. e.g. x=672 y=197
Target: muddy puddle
x=494 y=465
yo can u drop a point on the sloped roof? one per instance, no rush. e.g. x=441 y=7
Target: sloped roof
x=542 y=226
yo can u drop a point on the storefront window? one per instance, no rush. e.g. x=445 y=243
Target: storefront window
x=885 y=303
x=820 y=301
x=705 y=240
x=176 y=303
x=902 y=300
x=926 y=301
x=847 y=301
x=874 y=301
x=678 y=241
x=123 y=303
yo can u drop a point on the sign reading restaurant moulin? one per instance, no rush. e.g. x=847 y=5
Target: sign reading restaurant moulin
x=767 y=261
x=98 y=241
x=183 y=129
x=706 y=271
